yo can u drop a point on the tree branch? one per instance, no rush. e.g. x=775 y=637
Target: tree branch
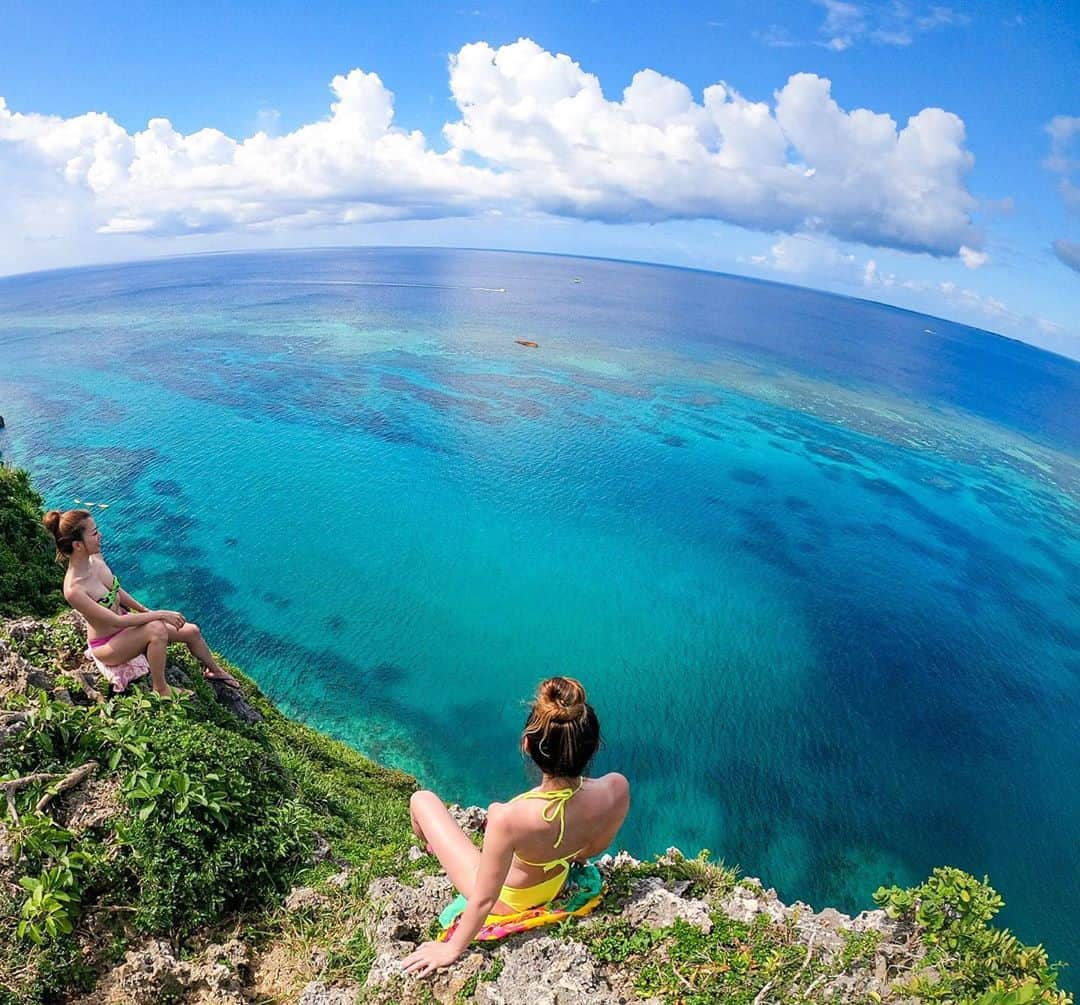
x=10 y=788
x=69 y=781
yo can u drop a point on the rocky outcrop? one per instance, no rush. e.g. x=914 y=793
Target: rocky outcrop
x=653 y=904
x=151 y=972
x=546 y=971
x=17 y=676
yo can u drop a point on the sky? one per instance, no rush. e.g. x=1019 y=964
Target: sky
x=917 y=154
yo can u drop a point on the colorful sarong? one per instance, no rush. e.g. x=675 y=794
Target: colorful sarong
x=122 y=674
x=582 y=894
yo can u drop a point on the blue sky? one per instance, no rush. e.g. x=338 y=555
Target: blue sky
x=601 y=133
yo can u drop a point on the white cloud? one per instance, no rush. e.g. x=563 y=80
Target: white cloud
x=535 y=133
x=896 y=23
x=658 y=154
x=1062 y=129
x=973 y=259
x=1068 y=253
x=824 y=262
x=805 y=256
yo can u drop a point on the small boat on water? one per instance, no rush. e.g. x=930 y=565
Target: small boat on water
x=528 y=343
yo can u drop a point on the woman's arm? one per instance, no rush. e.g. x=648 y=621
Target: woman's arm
x=90 y=609
x=495 y=858
x=131 y=603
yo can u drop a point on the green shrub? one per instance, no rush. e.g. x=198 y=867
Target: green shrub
x=977 y=963
x=30 y=580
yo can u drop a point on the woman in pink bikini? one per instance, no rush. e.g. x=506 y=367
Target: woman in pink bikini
x=122 y=633
x=529 y=842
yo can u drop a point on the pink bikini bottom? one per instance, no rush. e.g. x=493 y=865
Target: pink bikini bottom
x=94 y=643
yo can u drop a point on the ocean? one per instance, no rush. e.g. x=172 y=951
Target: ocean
x=817 y=560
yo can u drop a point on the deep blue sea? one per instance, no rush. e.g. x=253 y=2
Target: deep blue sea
x=816 y=560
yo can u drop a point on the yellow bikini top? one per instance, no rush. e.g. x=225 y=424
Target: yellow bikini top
x=556 y=800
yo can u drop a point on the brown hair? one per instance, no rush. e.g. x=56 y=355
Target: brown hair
x=67 y=528
x=562 y=732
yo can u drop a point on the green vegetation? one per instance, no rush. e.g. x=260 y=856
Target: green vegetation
x=30 y=581
x=212 y=816
x=976 y=962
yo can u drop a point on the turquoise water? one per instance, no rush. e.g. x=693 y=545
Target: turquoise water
x=817 y=566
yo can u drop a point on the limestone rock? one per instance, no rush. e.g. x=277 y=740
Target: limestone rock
x=653 y=905
x=387 y=983
x=319 y=993
x=747 y=901
x=471 y=819
x=304 y=898
x=17 y=675
x=546 y=971
x=151 y=973
x=340 y=880
x=20 y=629
x=408 y=910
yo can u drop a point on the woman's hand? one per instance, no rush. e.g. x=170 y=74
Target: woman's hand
x=174 y=619
x=428 y=957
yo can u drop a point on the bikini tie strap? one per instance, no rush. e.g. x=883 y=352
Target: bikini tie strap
x=556 y=800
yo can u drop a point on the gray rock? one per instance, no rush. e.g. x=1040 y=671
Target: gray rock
x=877 y=921
x=234 y=701
x=304 y=899
x=390 y=983
x=151 y=973
x=20 y=629
x=407 y=911
x=17 y=675
x=340 y=880
x=321 y=851
x=90 y=805
x=745 y=903
x=320 y=993
x=471 y=819
x=546 y=971
x=652 y=905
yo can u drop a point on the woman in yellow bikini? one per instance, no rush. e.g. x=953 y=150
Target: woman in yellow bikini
x=530 y=841
x=120 y=630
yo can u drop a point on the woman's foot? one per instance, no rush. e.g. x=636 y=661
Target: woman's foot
x=174 y=693
x=209 y=673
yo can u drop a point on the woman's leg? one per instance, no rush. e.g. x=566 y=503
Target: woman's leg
x=432 y=823
x=152 y=639
x=192 y=638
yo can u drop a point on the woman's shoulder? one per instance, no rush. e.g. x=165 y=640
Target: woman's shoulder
x=99 y=567
x=506 y=819
x=614 y=786
x=73 y=582
x=614 y=780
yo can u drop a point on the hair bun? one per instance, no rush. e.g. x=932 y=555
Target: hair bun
x=561 y=699
x=562 y=732
x=52 y=521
